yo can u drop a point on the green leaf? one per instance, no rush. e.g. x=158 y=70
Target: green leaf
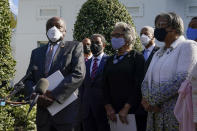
x=100 y=16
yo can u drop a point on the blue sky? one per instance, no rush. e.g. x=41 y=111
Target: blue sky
x=14 y=6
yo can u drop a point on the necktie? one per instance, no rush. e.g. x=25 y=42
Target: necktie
x=146 y=54
x=94 y=68
x=86 y=59
x=49 y=57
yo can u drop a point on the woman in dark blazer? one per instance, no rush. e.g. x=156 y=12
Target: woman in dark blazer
x=123 y=75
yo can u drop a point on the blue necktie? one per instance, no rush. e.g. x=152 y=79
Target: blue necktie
x=146 y=54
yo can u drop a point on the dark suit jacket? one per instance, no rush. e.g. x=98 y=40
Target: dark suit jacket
x=92 y=95
x=140 y=110
x=69 y=59
x=147 y=63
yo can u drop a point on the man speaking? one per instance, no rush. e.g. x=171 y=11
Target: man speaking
x=66 y=56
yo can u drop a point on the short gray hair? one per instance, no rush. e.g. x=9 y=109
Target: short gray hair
x=150 y=29
x=129 y=32
x=174 y=21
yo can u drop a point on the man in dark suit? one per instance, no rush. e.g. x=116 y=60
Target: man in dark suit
x=66 y=56
x=148 y=40
x=86 y=48
x=94 y=115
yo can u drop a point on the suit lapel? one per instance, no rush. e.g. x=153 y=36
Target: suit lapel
x=88 y=65
x=151 y=54
x=143 y=51
x=43 y=58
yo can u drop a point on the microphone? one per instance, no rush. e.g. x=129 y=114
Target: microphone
x=20 y=85
x=40 y=89
x=35 y=68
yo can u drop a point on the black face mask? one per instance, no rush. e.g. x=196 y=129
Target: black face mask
x=96 y=49
x=160 y=34
x=86 y=49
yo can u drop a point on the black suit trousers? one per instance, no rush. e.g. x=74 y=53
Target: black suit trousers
x=93 y=124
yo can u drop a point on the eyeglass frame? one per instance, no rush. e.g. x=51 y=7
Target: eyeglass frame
x=117 y=35
x=161 y=23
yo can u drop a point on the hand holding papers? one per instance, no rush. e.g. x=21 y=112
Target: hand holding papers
x=119 y=126
x=54 y=80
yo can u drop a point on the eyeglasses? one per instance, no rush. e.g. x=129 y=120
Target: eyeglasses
x=117 y=35
x=161 y=24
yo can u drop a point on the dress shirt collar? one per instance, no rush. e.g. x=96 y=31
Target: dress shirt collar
x=55 y=44
x=90 y=56
x=150 y=48
x=162 y=50
x=176 y=42
x=98 y=57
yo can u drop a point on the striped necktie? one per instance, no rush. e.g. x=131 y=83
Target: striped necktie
x=49 y=57
x=94 y=68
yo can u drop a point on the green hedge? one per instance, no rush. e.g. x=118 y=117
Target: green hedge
x=11 y=118
x=100 y=16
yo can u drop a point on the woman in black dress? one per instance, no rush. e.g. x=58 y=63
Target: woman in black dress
x=123 y=75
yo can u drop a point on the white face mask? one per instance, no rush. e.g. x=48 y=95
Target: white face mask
x=117 y=43
x=144 y=39
x=54 y=34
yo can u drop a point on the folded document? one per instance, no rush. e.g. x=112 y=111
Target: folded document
x=54 y=80
x=119 y=126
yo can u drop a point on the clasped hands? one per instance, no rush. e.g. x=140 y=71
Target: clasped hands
x=148 y=107
x=111 y=114
x=44 y=100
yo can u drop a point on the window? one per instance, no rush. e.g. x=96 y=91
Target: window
x=135 y=8
x=46 y=12
x=41 y=43
x=191 y=9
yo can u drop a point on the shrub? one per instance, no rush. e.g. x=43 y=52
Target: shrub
x=100 y=16
x=6 y=65
x=10 y=117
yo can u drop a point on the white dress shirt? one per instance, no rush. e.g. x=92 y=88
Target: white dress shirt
x=150 y=49
x=90 y=56
x=98 y=61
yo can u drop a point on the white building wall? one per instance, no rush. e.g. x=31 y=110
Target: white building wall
x=148 y=9
x=31 y=26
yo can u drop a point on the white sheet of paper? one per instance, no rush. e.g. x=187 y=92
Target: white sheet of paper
x=54 y=80
x=119 y=126
x=56 y=107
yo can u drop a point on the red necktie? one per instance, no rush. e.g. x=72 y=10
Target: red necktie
x=94 y=68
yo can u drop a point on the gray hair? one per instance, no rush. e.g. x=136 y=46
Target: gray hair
x=150 y=29
x=99 y=35
x=174 y=21
x=129 y=32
